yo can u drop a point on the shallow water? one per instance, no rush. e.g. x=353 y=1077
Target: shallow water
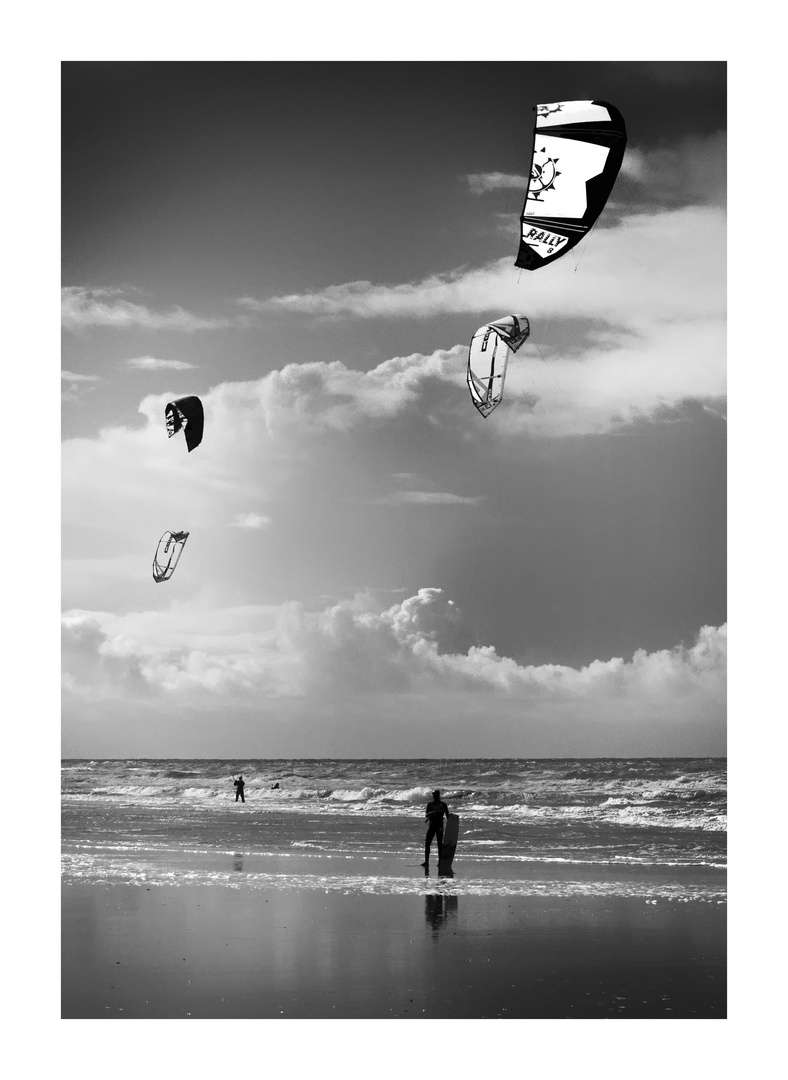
x=649 y=828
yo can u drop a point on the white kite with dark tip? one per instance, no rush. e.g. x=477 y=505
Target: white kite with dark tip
x=488 y=356
x=578 y=148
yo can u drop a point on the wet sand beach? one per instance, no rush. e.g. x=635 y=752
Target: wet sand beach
x=202 y=951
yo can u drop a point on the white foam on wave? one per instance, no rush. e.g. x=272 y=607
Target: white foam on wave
x=295 y=794
x=410 y=795
x=351 y=794
x=132 y=791
x=624 y=812
x=142 y=873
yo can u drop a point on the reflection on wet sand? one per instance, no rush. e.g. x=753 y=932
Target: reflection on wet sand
x=439 y=908
x=172 y=951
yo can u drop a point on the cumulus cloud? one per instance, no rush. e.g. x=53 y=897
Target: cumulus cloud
x=319 y=397
x=618 y=377
x=258 y=428
x=647 y=305
x=276 y=441
x=153 y=363
x=95 y=666
x=83 y=307
x=354 y=648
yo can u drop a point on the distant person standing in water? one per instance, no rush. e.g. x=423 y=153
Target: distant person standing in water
x=435 y=811
x=239 y=789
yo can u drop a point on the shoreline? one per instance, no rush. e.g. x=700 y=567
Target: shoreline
x=206 y=951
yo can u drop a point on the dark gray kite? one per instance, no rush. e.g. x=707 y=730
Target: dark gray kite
x=186 y=413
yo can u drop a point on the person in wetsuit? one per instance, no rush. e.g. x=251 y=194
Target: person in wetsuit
x=435 y=811
x=239 y=789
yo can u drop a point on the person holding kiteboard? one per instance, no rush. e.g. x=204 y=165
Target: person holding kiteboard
x=434 y=819
x=239 y=789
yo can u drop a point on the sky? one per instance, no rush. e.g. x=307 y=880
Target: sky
x=373 y=569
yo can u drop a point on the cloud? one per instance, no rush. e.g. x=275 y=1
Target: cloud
x=152 y=363
x=668 y=264
x=429 y=498
x=636 y=326
x=279 y=440
x=251 y=521
x=74 y=384
x=318 y=397
x=692 y=172
x=264 y=434
x=71 y=376
x=95 y=667
x=84 y=307
x=356 y=648
x=481 y=183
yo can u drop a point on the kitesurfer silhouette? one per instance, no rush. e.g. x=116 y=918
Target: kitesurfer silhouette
x=434 y=818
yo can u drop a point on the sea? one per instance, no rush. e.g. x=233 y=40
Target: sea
x=652 y=828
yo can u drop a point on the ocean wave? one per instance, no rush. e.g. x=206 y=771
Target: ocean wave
x=351 y=795
x=410 y=795
x=142 y=791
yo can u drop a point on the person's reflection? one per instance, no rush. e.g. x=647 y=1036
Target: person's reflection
x=438 y=908
x=238 y=861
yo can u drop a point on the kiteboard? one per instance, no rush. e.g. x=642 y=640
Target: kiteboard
x=449 y=846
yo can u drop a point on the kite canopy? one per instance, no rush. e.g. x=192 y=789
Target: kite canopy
x=488 y=357
x=186 y=413
x=167 y=555
x=577 y=152
x=514 y=329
